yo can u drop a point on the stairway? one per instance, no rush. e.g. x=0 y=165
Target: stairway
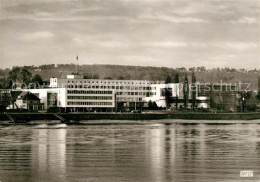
x=10 y=117
x=60 y=117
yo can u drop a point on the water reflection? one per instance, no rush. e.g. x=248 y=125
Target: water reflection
x=49 y=153
x=156 y=151
x=129 y=152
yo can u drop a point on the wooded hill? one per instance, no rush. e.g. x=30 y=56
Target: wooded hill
x=203 y=75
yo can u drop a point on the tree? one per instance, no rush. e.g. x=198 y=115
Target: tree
x=26 y=76
x=18 y=74
x=121 y=78
x=155 y=106
x=193 y=90
x=87 y=77
x=96 y=76
x=37 y=79
x=152 y=105
x=168 y=92
x=14 y=74
x=186 y=92
x=5 y=83
x=73 y=73
x=258 y=96
x=176 y=80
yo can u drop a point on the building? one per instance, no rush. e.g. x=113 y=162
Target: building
x=129 y=94
x=176 y=92
x=25 y=100
x=76 y=100
x=5 y=99
x=220 y=96
x=74 y=94
x=203 y=102
x=158 y=91
x=125 y=95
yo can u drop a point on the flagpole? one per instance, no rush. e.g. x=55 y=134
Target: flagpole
x=77 y=65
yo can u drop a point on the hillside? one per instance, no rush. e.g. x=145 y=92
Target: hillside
x=203 y=75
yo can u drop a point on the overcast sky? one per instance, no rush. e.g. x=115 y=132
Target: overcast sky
x=171 y=33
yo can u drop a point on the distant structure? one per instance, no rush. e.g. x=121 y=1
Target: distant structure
x=75 y=94
x=25 y=100
x=102 y=95
x=220 y=96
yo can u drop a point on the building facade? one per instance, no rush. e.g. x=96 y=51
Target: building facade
x=128 y=94
x=158 y=92
x=220 y=96
x=76 y=100
x=177 y=96
x=25 y=100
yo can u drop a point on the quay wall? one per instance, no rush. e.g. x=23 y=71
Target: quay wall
x=25 y=117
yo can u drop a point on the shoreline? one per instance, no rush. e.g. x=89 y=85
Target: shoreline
x=135 y=122
x=130 y=117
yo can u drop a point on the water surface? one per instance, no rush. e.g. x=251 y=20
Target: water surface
x=151 y=152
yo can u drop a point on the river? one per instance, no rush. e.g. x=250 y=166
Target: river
x=132 y=152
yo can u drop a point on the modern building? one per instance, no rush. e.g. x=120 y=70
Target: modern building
x=128 y=94
x=125 y=95
x=176 y=92
x=76 y=100
x=158 y=91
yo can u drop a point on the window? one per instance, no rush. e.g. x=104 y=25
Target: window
x=162 y=92
x=89 y=103
x=88 y=92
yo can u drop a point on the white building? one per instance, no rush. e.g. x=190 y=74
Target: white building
x=128 y=93
x=76 y=94
x=158 y=93
x=176 y=91
x=68 y=99
x=202 y=102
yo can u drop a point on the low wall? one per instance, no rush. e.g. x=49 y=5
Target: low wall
x=24 y=117
x=28 y=116
x=113 y=116
x=218 y=116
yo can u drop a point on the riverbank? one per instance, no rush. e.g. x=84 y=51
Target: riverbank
x=81 y=117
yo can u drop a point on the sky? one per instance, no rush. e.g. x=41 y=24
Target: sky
x=169 y=33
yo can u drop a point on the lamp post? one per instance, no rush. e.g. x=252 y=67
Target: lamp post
x=27 y=100
x=243 y=102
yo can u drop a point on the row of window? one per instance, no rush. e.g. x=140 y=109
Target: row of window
x=129 y=99
x=134 y=93
x=105 y=82
x=90 y=103
x=108 y=87
x=90 y=97
x=89 y=92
